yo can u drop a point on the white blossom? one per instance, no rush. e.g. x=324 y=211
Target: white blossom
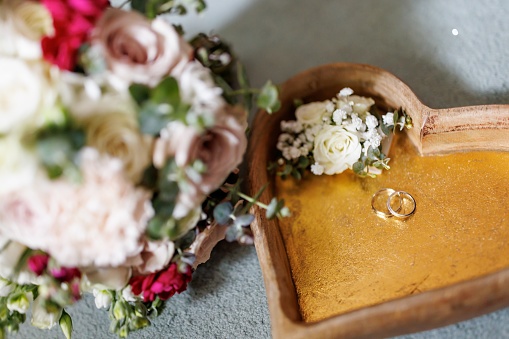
x=102 y=298
x=347 y=91
x=339 y=115
x=317 y=169
x=371 y=122
x=388 y=119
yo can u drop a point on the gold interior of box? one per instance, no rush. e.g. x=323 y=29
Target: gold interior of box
x=344 y=257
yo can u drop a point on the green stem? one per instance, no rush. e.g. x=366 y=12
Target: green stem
x=252 y=201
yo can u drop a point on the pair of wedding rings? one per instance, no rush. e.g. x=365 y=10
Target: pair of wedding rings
x=399 y=204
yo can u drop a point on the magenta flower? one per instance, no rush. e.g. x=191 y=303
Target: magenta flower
x=73 y=20
x=163 y=284
x=38 y=263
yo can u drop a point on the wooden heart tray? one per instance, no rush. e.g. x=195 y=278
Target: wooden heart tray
x=335 y=269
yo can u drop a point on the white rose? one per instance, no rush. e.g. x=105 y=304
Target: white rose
x=18 y=165
x=336 y=149
x=23 y=25
x=312 y=113
x=112 y=127
x=21 y=93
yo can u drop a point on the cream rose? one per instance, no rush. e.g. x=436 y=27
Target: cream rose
x=312 y=113
x=336 y=149
x=112 y=128
x=21 y=93
x=137 y=50
x=23 y=25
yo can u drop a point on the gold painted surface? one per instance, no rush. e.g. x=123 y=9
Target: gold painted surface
x=344 y=257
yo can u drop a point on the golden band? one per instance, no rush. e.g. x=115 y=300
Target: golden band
x=402 y=195
x=374 y=198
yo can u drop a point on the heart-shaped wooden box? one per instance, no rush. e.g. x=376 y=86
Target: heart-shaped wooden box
x=466 y=129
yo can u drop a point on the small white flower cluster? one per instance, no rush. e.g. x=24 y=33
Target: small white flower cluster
x=333 y=133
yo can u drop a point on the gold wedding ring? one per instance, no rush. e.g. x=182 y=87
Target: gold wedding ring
x=375 y=203
x=399 y=204
x=403 y=196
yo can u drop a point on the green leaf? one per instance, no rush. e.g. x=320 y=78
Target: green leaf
x=386 y=129
x=303 y=162
x=163 y=208
x=140 y=93
x=139 y=5
x=268 y=99
x=222 y=213
x=167 y=91
x=155 y=227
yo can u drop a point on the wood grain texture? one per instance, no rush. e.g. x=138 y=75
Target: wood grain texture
x=435 y=132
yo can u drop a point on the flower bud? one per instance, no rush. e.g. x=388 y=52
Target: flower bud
x=5 y=287
x=140 y=322
x=42 y=317
x=102 y=298
x=18 y=302
x=65 y=323
x=119 y=310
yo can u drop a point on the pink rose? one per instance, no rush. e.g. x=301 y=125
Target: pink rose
x=220 y=148
x=72 y=20
x=163 y=284
x=140 y=51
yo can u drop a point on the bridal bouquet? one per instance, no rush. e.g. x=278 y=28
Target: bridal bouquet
x=331 y=136
x=119 y=146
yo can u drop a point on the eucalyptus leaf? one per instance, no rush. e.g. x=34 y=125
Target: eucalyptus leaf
x=151 y=119
x=244 y=220
x=358 y=167
x=222 y=213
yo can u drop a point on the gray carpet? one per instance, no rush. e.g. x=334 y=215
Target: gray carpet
x=412 y=39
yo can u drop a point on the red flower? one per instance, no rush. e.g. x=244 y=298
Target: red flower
x=163 y=284
x=38 y=263
x=65 y=274
x=73 y=20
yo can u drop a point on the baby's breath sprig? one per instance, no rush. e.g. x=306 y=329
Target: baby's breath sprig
x=331 y=136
